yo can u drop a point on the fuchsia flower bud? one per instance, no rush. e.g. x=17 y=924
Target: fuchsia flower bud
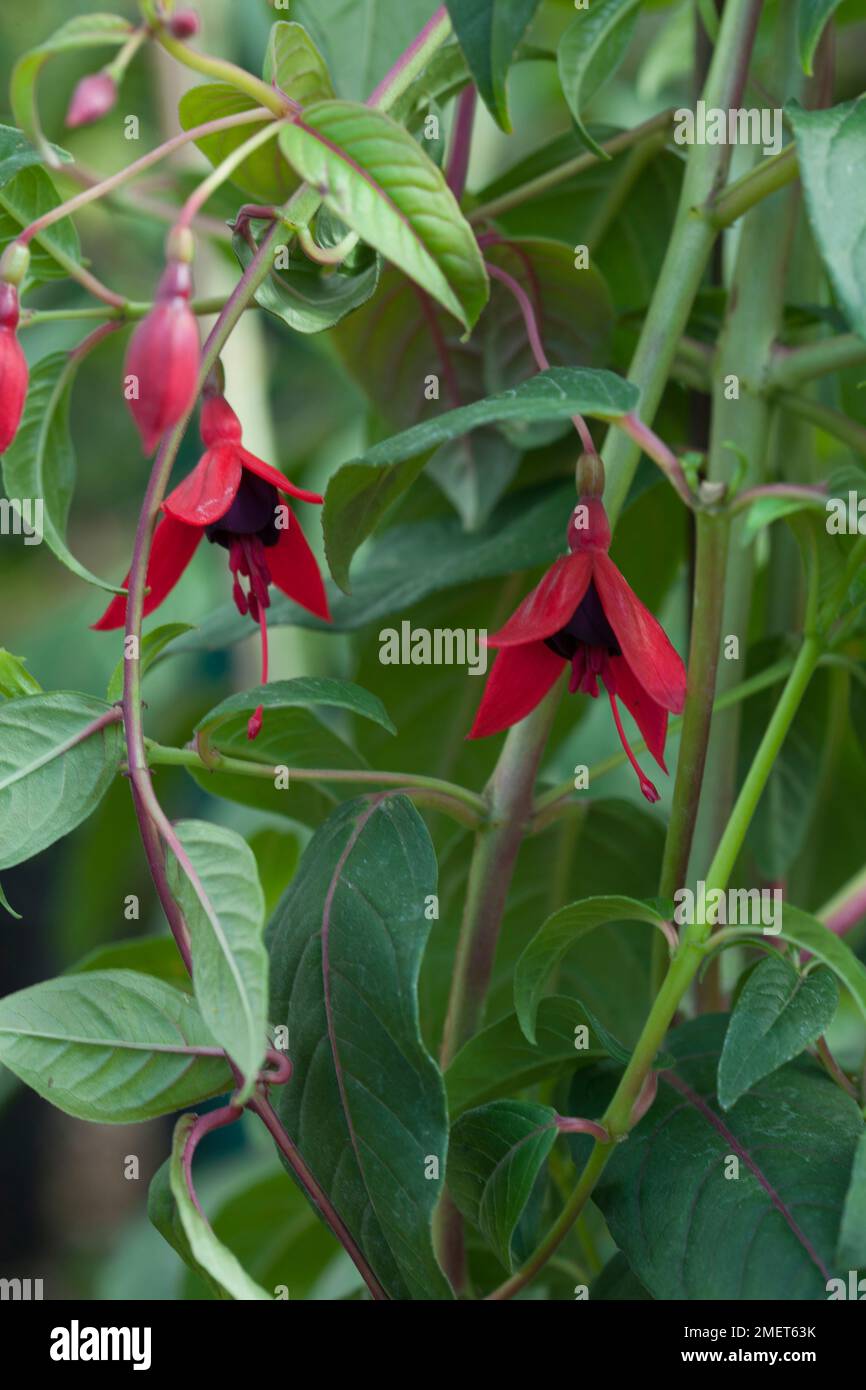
x=162 y=362
x=92 y=99
x=185 y=24
x=14 y=373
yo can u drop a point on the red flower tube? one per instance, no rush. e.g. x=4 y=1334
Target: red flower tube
x=584 y=615
x=162 y=361
x=232 y=498
x=14 y=374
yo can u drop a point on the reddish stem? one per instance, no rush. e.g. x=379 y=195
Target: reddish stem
x=458 y=159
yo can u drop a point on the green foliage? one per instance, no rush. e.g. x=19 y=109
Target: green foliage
x=489 y=32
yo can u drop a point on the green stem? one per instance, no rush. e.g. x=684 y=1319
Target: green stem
x=466 y=806
x=706 y=637
x=129 y=311
x=534 y=188
x=224 y=170
x=825 y=418
x=774 y=736
x=741 y=195
x=690 y=244
x=509 y=803
x=221 y=70
x=794 y=367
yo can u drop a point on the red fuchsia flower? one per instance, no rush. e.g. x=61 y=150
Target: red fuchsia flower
x=232 y=498
x=583 y=614
x=92 y=99
x=162 y=361
x=14 y=373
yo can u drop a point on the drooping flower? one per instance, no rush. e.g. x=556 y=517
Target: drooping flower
x=584 y=615
x=162 y=361
x=233 y=498
x=92 y=99
x=14 y=374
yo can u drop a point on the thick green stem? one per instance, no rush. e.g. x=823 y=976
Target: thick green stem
x=691 y=241
x=706 y=635
x=741 y=195
x=794 y=367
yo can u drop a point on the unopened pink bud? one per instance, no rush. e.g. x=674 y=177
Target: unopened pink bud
x=162 y=362
x=14 y=374
x=254 y=726
x=94 y=96
x=185 y=24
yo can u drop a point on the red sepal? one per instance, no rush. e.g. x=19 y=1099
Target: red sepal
x=550 y=605
x=174 y=544
x=279 y=480
x=295 y=571
x=653 y=661
x=519 y=680
x=209 y=490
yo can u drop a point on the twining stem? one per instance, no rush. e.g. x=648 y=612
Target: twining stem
x=467 y=806
x=706 y=636
x=690 y=244
x=534 y=188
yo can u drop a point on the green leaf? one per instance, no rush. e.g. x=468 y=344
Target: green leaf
x=851 y=1249
x=157 y=956
x=495 y=1156
x=779 y=1013
x=178 y=1220
x=276 y=1236
x=766 y=510
x=295 y=65
x=306 y=692
x=689 y=1228
x=361 y=41
x=489 y=32
x=499 y=1060
x=15 y=679
x=152 y=647
x=366 y=1104
x=265 y=175
x=617 y=1283
x=591 y=48
x=377 y=179
x=27 y=197
x=50 y=782
x=360 y=492
x=390 y=349
x=297 y=733
x=812 y=936
x=17 y=153
x=813 y=16
x=40 y=463
x=830 y=145
x=555 y=938
x=230 y=975
x=84 y=31
x=111 y=1046
x=308 y=297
